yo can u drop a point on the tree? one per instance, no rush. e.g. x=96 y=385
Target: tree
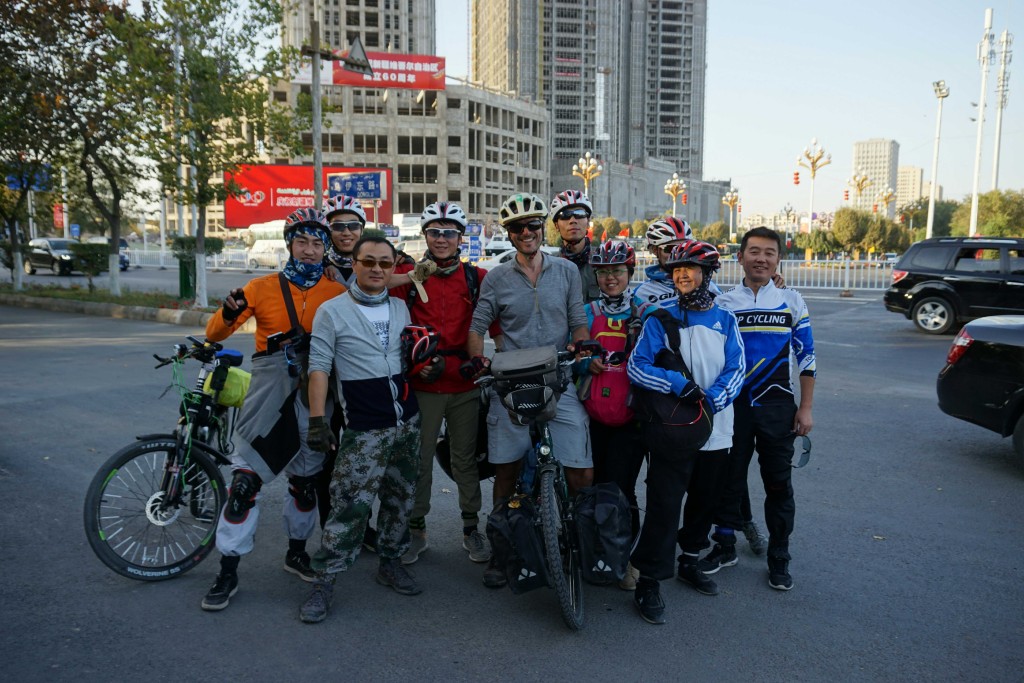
x=639 y=228
x=819 y=241
x=1000 y=214
x=611 y=227
x=849 y=228
x=714 y=233
x=91 y=259
x=597 y=231
x=220 y=111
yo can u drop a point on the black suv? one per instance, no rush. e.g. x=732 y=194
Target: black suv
x=49 y=252
x=945 y=280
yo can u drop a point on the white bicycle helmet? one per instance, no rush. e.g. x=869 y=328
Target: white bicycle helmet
x=669 y=230
x=571 y=198
x=340 y=203
x=443 y=211
x=520 y=206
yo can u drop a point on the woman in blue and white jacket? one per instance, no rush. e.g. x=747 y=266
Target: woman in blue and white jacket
x=711 y=346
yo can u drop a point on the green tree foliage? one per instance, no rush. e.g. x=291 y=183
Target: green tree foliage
x=1000 y=214
x=849 y=228
x=819 y=241
x=638 y=228
x=91 y=259
x=713 y=233
x=597 y=229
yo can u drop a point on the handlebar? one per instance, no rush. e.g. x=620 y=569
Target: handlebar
x=201 y=350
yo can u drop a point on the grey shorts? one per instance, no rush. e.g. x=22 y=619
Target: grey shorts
x=570 y=432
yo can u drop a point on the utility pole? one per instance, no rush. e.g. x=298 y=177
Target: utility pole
x=985 y=56
x=1002 y=89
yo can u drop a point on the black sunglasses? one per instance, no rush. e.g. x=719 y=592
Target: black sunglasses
x=350 y=226
x=517 y=228
x=447 y=233
x=566 y=214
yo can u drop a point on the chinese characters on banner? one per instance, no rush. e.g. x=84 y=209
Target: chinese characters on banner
x=413 y=72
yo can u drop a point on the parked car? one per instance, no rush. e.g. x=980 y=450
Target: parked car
x=51 y=253
x=122 y=250
x=983 y=380
x=267 y=254
x=508 y=255
x=945 y=280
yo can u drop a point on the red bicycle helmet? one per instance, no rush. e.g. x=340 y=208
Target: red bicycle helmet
x=693 y=252
x=613 y=252
x=667 y=231
x=419 y=346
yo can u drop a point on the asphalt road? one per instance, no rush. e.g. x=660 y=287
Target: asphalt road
x=908 y=557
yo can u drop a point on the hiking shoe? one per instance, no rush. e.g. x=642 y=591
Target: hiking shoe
x=720 y=556
x=314 y=610
x=417 y=546
x=755 y=538
x=494 y=576
x=628 y=582
x=297 y=562
x=647 y=598
x=689 y=573
x=477 y=547
x=370 y=539
x=393 y=573
x=224 y=588
x=778 y=574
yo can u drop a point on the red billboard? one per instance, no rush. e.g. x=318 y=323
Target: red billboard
x=272 y=192
x=413 y=72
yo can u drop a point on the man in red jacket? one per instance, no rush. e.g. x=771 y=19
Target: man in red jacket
x=442 y=393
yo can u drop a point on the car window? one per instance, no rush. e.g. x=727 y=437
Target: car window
x=977 y=261
x=1017 y=261
x=932 y=257
x=60 y=244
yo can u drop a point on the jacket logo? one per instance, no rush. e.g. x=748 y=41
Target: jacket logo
x=717 y=326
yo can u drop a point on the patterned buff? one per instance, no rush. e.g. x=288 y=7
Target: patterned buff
x=448 y=265
x=582 y=258
x=337 y=259
x=364 y=299
x=301 y=274
x=614 y=305
x=701 y=298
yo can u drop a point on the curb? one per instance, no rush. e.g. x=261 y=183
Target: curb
x=169 y=316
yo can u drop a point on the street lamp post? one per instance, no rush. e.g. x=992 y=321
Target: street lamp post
x=588 y=169
x=673 y=188
x=941 y=92
x=731 y=199
x=985 y=56
x=884 y=198
x=813 y=158
x=787 y=211
x=859 y=181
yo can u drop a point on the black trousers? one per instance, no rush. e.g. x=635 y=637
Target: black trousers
x=672 y=473
x=619 y=454
x=769 y=431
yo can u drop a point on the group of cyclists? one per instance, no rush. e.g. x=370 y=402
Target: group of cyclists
x=363 y=356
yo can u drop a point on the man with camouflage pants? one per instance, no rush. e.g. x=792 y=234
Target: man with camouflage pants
x=358 y=335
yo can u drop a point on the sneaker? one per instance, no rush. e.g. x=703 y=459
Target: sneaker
x=314 y=610
x=224 y=588
x=755 y=538
x=494 y=576
x=689 y=573
x=370 y=539
x=417 y=546
x=297 y=562
x=628 y=582
x=647 y=599
x=477 y=547
x=778 y=574
x=720 y=556
x=393 y=573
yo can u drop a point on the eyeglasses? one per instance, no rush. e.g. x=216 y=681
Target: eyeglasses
x=385 y=264
x=566 y=214
x=517 y=228
x=343 y=226
x=447 y=233
x=606 y=272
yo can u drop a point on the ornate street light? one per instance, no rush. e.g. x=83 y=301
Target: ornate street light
x=731 y=199
x=588 y=169
x=813 y=158
x=674 y=187
x=787 y=211
x=941 y=92
x=859 y=181
x=884 y=198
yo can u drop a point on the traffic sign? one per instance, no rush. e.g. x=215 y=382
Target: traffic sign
x=475 y=248
x=76 y=230
x=358 y=185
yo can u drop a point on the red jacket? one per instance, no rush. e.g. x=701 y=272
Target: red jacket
x=449 y=311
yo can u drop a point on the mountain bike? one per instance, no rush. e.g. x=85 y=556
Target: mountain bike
x=528 y=383
x=151 y=511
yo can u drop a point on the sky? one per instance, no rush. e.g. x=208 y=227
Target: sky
x=781 y=73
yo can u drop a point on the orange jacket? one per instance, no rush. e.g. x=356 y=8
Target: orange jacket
x=266 y=302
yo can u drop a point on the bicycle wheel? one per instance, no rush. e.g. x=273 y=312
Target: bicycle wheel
x=562 y=546
x=128 y=526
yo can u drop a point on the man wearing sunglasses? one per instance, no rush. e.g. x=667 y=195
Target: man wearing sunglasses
x=347 y=219
x=441 y=391
x=358 y=336
x=537 y=299
x=571 y=211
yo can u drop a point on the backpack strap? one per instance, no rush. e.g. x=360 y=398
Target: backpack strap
x=288 y=303
x=472 y=281
x=671 y=326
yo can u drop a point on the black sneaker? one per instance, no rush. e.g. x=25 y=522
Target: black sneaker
x=370 y=539
x=392 y=573
x=494 y=576
x=778 y=574
x=314 y=610
x=647 y=599
x=689 y=573
x=722 y=555
x=755 y=537
x=224 y=588
x=297 y=562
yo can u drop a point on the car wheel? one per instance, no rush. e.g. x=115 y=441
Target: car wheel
x=27 y=267
x=1018 y=440
x=933 y=315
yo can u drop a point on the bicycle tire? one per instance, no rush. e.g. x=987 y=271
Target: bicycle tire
x=563 y=557
x=134 y=539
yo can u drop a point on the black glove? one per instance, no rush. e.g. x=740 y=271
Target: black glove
x=434 y=370
x=320 y=437
x=590 y=346
x=691 y=392
x=229 y=313
x=474 y=367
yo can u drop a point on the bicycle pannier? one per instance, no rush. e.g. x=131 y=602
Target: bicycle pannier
x=602 y=513
x=516 y=541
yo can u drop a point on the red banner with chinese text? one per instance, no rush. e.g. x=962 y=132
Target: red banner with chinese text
x=390 y=70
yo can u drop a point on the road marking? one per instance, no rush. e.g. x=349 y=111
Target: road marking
x=819 y=342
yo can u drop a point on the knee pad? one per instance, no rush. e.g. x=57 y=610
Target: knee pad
x=241 y=496
x=303 y=490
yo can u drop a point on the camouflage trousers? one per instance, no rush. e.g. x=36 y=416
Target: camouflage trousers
x=379 y=463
